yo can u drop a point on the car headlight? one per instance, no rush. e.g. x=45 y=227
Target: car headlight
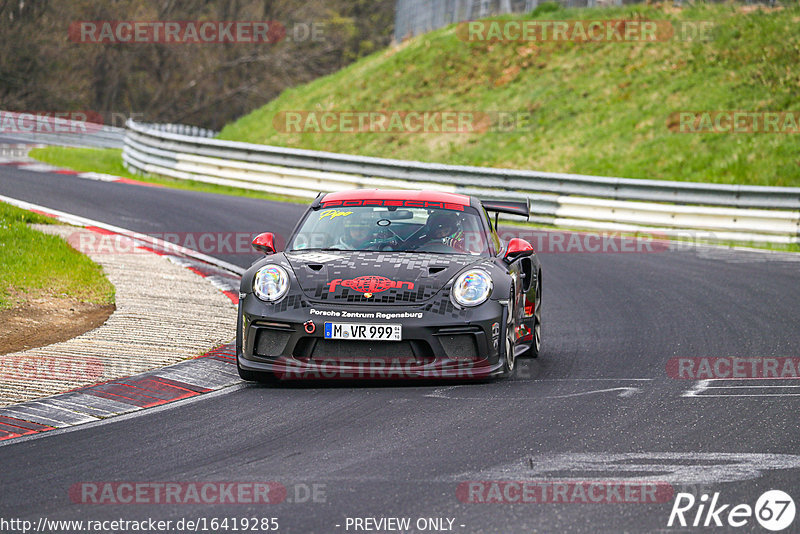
x=472 y=287
x=271 y=283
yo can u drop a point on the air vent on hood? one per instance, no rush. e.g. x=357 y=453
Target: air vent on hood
x=434 y=269
x=314 y=266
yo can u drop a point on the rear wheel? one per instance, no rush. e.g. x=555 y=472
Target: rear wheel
x=510 y=335
x=536 y=342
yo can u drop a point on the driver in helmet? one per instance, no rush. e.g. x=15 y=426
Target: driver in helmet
x=359 y=230
x=442 y=227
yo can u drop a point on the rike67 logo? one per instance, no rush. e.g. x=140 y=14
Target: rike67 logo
x=774 y=510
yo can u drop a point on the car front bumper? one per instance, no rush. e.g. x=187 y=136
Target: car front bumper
x=289 y=342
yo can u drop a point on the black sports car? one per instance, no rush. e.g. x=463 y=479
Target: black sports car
x=391 y=284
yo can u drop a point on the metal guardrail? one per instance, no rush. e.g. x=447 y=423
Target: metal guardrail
x=729 y=212
x=184 y=129
x=37 y=129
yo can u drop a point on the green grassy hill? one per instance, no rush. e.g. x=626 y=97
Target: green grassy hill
x=597 y=108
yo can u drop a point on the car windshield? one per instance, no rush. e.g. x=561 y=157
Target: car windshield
x=443 y=231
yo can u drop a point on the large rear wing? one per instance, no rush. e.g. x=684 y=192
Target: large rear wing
x=513 y=207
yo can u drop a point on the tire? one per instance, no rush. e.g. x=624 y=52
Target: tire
x=262 y=377
x=536 y=342
x=244 y=374
x=509 y=335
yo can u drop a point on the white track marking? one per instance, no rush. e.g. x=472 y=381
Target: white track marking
x=439 y=393
x=624 y=392
x=709 y=388
x=670 y=467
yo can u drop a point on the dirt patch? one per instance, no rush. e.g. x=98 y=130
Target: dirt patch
x=47 y=320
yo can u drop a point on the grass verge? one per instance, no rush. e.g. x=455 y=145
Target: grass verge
x=34 y=264
x=596 y=108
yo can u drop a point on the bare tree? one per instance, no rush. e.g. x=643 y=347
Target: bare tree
x=205 y=84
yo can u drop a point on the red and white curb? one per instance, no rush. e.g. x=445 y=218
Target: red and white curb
x=212 y=371
x=38 y=166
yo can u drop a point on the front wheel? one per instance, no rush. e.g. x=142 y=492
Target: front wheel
x=255 y=376
x=244 y=374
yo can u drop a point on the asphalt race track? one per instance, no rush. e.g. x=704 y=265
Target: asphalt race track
x=597 y=405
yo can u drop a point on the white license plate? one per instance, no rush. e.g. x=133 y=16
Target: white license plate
x=361 y=331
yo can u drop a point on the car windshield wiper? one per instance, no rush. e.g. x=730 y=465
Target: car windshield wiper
x=425 y=252
x=442 y=253
x=317 y=249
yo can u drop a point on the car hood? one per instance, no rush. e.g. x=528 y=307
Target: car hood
x=375 y=277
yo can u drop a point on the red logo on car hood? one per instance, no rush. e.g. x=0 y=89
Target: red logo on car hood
x=369 y=284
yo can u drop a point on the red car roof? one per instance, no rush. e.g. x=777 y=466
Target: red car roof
x=397 y=194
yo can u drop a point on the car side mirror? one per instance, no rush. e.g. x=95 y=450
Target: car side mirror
x=517 y=248
x=265 y=243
